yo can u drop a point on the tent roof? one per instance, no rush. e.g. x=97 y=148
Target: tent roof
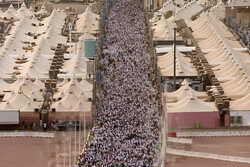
x=191 y=104
x=184 y=91
x=241 y=104
x=82 y=106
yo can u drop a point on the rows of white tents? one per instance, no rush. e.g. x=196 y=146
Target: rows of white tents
x=23 y=11
x=26 y=56
x=163 y=29
x=229 y=59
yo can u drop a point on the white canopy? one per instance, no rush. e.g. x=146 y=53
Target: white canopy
x=184 y=91
x=242 y=104
x=183 y=65
x=191 y=104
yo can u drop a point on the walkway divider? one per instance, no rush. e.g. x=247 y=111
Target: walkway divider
x=213 y=134
x=208 y=156
x=27 y=134
x=180 y=140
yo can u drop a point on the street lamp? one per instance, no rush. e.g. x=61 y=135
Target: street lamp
x=174 y=59
x=75 y=138
x=70 y=29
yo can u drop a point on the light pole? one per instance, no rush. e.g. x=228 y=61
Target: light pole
x=84 y=127
x=80 y=128
x=56 y=156
x=75 y=138
x=174 y=59
x=75 y=43
x=106 y=5
x=70 y=151
x=70 y=29
x=64 y=158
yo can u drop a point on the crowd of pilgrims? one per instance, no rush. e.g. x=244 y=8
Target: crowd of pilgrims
x=128 y=122
x=244 y=33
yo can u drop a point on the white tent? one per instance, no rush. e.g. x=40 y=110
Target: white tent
x=183 y=92
x=59 y=107
x=164 y=28
x=183 y=65
x=76 y=87
x=82 y=106
x=188 y=10
x=88 y=21
x=3 y=85
x=28 y=108
x=191 y=104
x=230 y=66
x=42 y=11
x=68 y=102
x=10 y=13
x=242 y=104
x=6 y=106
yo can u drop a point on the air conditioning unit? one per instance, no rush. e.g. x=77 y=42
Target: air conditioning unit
x=232 y=119
x=239 y=120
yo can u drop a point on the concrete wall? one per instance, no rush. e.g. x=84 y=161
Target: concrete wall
x=30 y=117
x=70 y=116
x=188 y=120
x=34 y=117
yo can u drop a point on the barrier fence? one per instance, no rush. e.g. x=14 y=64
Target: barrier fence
x=179 y=140
x=208 y=156
x=213 y=134
x=27 y=134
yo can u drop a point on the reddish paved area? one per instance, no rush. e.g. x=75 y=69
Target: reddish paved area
x=181 y=161
x=235 y=146
x=41 y=152
x=36 y=152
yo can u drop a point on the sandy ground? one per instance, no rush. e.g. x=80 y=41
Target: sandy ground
x=235 y=146
x=38 y=152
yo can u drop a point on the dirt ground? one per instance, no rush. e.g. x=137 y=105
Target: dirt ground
x=234 y=146
x=39 y=152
